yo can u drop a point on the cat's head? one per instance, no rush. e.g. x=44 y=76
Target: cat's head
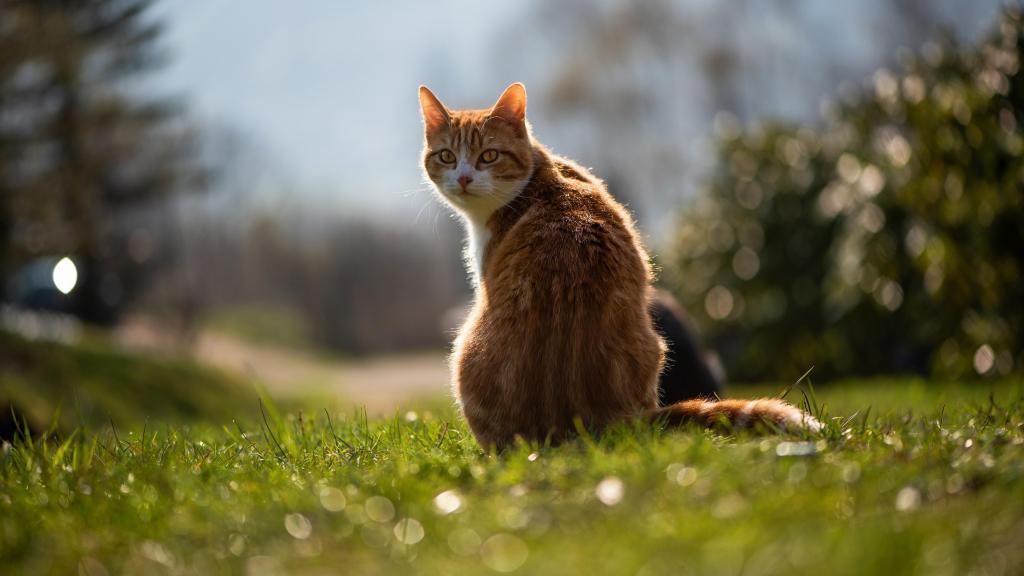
x=479 y=160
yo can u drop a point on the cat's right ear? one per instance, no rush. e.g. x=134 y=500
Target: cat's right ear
x=511 y=106
x=435 y=115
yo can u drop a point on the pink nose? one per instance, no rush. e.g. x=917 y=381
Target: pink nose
x=465 y=180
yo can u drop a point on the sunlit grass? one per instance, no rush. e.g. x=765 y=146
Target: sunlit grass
x=935 y=490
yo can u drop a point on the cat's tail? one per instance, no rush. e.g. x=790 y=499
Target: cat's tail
x=737 y=414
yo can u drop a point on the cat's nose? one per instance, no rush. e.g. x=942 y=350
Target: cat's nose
x=465 y=180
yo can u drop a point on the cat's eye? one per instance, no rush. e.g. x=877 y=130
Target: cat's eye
x=489 y=156
x=446 y=156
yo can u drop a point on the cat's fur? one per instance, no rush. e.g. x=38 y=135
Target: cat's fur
x=560 y=330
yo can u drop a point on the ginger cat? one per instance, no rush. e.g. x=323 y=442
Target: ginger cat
x=560 y=328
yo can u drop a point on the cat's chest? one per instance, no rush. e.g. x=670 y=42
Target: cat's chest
x=479 y=238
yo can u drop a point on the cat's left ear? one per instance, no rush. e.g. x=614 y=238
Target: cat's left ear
x=435 y=115
x=511 y=105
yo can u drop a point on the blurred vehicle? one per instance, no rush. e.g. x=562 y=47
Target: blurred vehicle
x=44 y=284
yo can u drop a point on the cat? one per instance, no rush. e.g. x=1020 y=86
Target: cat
x=560 y=333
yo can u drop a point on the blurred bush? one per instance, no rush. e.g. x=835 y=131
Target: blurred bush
x=889 y=238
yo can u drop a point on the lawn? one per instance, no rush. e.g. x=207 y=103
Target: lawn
x=910 y=477
x=93 y=384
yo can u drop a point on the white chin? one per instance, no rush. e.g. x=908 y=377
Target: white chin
x=465 y=195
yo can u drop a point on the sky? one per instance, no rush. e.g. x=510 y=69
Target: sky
x=328 y=92
x=325 y=91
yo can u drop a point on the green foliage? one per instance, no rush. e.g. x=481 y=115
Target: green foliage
x=889 y=238
x=935 y=490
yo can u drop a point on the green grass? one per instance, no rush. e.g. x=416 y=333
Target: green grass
x=93 y=384
x=929 y=481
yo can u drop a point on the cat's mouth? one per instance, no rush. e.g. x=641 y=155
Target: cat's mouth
x=464 y=193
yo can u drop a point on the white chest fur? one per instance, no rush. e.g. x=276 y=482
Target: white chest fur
x=478 y=236
x=477 y=212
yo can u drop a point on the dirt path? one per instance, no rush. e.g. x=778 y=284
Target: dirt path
x=381 y=384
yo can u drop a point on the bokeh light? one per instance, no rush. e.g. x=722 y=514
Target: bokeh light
x=65 y=275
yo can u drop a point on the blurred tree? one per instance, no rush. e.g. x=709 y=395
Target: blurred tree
x=84 y=154
x=890 y=238
x=637 y=83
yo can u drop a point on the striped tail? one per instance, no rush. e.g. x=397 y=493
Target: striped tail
x=737 y=414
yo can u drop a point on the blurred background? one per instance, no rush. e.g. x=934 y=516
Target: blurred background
x=835 y=185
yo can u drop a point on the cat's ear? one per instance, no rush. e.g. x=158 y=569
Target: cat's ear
x=511 y=105
x=435 y=115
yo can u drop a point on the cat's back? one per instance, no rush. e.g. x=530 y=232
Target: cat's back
x=570 y=234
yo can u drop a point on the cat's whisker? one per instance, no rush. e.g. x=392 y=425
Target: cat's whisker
x=437 y=216
x=429 y=203
x=413 y=191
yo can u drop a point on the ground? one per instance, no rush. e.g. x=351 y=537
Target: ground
x=912 y=477
x=288 y=369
